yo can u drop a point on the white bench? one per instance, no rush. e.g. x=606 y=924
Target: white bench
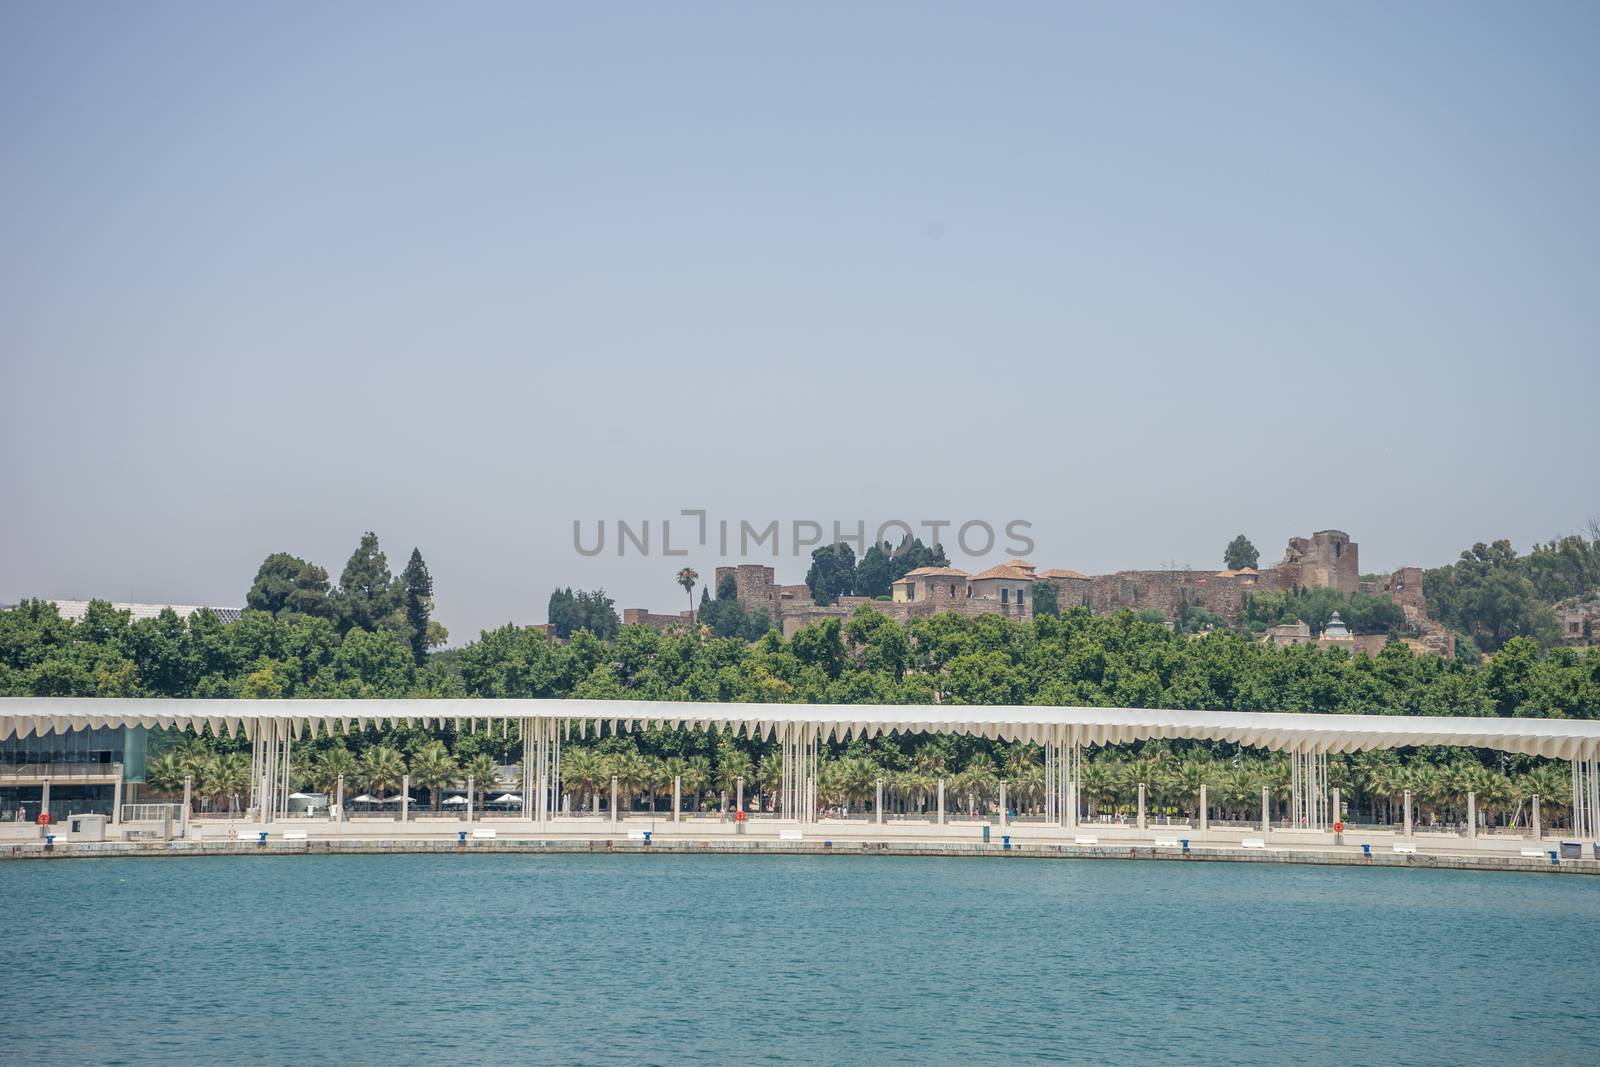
x=1166 y=842
x=788 y=835
x=1405 y=848
x=1534 y=853
x=1253 y=842
x=1086 y=839
x=635 y=835
x=294 y=835
x=483 y=831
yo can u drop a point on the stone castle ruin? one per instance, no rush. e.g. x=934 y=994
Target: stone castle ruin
x=1326 y=559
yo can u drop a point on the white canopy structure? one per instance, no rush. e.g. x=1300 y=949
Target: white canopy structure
x=801 y=730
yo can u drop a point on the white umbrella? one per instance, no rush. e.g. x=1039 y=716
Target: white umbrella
x=397 y=798
x=506 y=798
x=364 y=799
x=304 y=796
x=455 y=800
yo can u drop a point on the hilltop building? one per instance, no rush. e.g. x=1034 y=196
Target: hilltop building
x=1328 y=558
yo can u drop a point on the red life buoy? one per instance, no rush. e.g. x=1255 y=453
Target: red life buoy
x=738 y=816
x=1338 y=827
x=44 y=818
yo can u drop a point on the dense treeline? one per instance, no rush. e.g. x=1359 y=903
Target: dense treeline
x=1492 y=595
x=1074 y=658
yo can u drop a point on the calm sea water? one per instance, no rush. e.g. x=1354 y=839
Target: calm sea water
x=460 y=960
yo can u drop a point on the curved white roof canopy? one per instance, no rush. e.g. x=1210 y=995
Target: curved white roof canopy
x=1555 y=738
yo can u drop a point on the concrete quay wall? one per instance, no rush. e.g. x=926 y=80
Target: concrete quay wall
x=816 y=845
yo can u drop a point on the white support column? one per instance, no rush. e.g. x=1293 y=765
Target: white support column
x=188 y=792
x=614 y=817
x=738 y=800
x=1538 y=827
x=1141 y=805
x=880 y=802
x=472 y=794
x=1337 y=808
x=1266 y=811
x=1472 y=814
x=405 y=798
x=116 y=799
x=677 y=798
x=1003 y=803
x=1205 y=814
x=1408 y=813
x=941 y=801
x=341 y=798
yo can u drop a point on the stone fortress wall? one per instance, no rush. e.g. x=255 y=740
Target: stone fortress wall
x=1326 y=559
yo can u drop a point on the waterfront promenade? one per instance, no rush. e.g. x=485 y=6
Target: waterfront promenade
x=643 y=834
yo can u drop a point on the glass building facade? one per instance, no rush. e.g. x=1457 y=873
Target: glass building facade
x=66 y=759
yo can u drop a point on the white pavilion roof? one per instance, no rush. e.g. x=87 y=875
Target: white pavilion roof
x=1556 y=738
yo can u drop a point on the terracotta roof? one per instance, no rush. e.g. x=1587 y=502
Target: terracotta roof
x=1024 y=564
x=1227 y=574
x=1009 y=571
x=1061 y=574
x=936 y=572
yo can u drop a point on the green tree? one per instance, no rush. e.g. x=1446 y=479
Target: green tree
x=569 y=612
x=433 y=768
x=368 y=596
x=686 y=578
x=417 y=592
x=1240 y=553
x=290 y=588
x=382 y=769
x=484 y=772
x=832 y=573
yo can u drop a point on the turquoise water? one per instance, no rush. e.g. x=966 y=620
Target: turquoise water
x=509 y=959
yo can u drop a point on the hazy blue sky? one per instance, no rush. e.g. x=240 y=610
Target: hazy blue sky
x=1145 y=276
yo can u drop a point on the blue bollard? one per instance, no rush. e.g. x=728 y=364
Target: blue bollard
x=50 y=841
x=1006 y=842
x=647 y=836
x=1555 y=858
x=263 y=838
x=1366 y=850
x=1185 y=843
x=461 y=837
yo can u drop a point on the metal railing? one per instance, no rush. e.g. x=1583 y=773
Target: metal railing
x=60 y=772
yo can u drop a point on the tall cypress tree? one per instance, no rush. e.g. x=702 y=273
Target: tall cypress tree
x=418 y=603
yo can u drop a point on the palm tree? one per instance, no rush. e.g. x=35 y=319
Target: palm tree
x=732 y=764
x=769 y=779
x=1093 y=780
x=224 y=777
x=929 y=759
x=585 y=770
x=484 y=772
x=382 y=768
x=1185 y=783
x=858 y=778
x=977 y=781
x=686 y=578
x=632 y=772
x=166 y=773
x=698 y=780
x=331 y=765
x=1553 y=788
x=433 y=768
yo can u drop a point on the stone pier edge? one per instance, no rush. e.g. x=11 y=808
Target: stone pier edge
x=823 y=847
